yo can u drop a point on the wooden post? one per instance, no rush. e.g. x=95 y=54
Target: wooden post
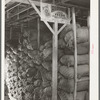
x=88 y=24
x=34 y=6
x=38 y=29
x=22 y=28
x=20 y=34
x=75 y=52
x=10 y=32
x=69 y=13
x=55 y=63
x=7 y=14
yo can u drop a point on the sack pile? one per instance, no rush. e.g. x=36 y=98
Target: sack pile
x=29 y=71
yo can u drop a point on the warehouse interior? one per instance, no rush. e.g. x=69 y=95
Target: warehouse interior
x=39 y=66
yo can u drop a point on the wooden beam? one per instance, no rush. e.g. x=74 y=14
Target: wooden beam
x=47 y=24
x=34 y=7
x=77 y=1
x=80 y=1
x=7 y=15
x=11 y=29
x=62 y=27
x=13 y=7
x=55 y=63
x=71 y=5
x=75 y=52
x=88 y=23
x=21 y=12
x=21 y=21
x=69 y=13
x=37 y=3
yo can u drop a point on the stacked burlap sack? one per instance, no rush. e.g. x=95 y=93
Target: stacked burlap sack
x=66 y=60
x=29 y=71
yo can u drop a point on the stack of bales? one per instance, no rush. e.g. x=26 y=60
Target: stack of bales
x=29 y=71
x=66 y=60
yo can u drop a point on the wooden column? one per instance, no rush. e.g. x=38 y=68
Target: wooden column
x=11 y=32
x=7 y=14
x=88 y=24
x=69 y=13
x=38 y=29
x=75 y=51
x=20 y=34
x=55 y=63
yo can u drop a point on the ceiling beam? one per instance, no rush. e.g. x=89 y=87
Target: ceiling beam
x=13 y=7
x=71 y=5
x=77 y=1
x=37 y=3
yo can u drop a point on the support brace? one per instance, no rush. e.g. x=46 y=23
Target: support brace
x=50 y=28
x=34 y=6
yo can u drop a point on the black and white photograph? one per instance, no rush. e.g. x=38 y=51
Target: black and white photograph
x=47 y=50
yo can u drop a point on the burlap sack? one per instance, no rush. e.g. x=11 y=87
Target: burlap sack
x=82 y=36
x=67 y=29
x=47 y=54
x=68 y=72
x=69 y=60
x=65 y=96
x=68 y=85
x=82 y=48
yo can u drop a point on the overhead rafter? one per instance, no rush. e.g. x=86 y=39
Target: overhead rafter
x=77 y=1
x=13 y=7
x=37 y=3
x=71 y=5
